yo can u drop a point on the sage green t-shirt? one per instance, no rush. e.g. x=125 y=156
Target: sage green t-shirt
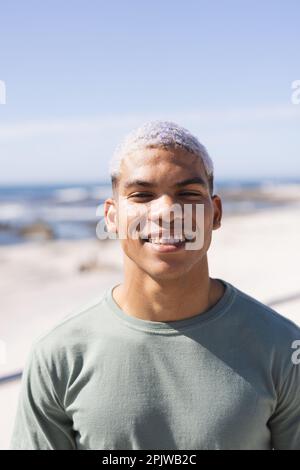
x=223 y=379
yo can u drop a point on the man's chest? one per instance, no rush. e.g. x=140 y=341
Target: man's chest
x=184 y=399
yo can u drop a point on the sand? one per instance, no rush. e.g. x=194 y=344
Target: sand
x=43 y=282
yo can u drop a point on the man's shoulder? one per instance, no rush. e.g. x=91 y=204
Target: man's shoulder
x=73 y=331
x=264 y=319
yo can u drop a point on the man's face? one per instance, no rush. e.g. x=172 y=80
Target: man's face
x=152 y=182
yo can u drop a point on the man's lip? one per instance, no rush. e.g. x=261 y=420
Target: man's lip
x=165 y=248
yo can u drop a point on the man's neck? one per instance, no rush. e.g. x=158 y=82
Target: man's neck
x=143 y=297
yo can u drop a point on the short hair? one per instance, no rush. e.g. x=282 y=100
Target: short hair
x=159 y=134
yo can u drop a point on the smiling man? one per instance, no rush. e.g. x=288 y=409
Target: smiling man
x=170 y=358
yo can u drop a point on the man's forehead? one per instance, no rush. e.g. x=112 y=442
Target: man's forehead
x=162 y=160
x=157 y=154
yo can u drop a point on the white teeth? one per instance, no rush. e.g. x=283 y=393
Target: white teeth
x=165 y=241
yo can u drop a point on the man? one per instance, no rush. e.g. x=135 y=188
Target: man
x=171 y=358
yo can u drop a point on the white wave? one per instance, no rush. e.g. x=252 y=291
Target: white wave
x=22 y=213
x=70 y=214
x=281 y=190
x=13 y=211
x=71 y=194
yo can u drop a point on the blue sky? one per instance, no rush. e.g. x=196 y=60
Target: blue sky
x=80 y=74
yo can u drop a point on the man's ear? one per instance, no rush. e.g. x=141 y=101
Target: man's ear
x=217 y=205
x=110 y=215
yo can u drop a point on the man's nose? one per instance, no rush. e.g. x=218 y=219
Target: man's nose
x=165 y=209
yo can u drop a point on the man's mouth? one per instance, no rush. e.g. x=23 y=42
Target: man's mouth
x=165 y=244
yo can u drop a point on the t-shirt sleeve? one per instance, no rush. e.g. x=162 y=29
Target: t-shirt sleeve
x=41 y=422
x=285 y=421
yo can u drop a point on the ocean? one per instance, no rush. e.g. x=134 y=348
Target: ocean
x=71 y=211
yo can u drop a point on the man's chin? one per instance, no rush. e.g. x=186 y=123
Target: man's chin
x=164 y=270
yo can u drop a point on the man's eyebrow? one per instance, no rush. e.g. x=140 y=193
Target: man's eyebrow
x=195 y=180
x=144 y=183
x=148 y=184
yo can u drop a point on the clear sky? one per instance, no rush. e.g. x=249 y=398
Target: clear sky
x=80 y=74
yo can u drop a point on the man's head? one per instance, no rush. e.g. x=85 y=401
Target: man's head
x=157 y=166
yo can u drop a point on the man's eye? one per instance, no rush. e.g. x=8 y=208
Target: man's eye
x=141 y=195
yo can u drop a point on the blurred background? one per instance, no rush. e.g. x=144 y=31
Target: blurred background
x=78 y=76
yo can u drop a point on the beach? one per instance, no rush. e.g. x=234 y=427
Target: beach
x=43 y=281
